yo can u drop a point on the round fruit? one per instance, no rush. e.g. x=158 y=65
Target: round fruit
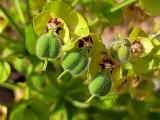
x=75 y=62
x=100 y=84
x=120 y=50
x=48 y=47
x=123 y=54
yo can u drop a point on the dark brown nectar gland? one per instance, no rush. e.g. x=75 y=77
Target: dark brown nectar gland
x=53 y=23
x=108 y=63
x=86 y=42
x=136 y=48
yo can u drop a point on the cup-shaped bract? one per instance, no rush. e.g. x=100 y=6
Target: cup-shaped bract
x=141 y=47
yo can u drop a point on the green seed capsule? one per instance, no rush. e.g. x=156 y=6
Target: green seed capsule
x=48 y=47
x=100 y=84
x=75 y=62
x=114 y=48
x=123 y=54
x=120 y=50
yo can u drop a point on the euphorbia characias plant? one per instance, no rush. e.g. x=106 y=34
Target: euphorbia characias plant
x=66 y=65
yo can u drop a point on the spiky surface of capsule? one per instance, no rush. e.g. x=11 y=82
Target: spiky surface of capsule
x=100 y=84
x=48 y=46
x=120 y=50
x=75 y=62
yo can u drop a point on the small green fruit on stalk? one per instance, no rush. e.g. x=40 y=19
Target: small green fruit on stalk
x=120 y=50
x=100 y=85
x=48 y=47
x=74 y=62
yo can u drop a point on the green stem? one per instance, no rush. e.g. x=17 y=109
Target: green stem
x=28 y=11
x=50 y=32
x=121 y=5
x=12 y=21
x=45 y=65
x=93 y=22
x=76 y=103
x=9 y=86
x=74 y=3
x=19 y=10
x=61 y=75
x=90 y=99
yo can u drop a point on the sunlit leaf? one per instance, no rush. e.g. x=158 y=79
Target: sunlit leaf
x=5 y=71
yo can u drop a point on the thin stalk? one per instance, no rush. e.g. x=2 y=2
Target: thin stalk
x=73 y=4
x=90 y=99
x=76 y=103
x=45 y=65
x=93 y=22
x=12 y=21
x=121 y=5
x=61 y=75
x=19 y=10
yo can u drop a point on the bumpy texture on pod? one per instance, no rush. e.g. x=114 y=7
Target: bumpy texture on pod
x=100 y=84
x=120 y=50
x=48 y=47
x=75 y=62
x=114 y=48
x=123 y=54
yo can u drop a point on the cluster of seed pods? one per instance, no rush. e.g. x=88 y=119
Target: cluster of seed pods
x=88 y=56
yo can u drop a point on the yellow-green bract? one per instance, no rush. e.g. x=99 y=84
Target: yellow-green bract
x=75 y=62
x=48 y=47
x=100 y=84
